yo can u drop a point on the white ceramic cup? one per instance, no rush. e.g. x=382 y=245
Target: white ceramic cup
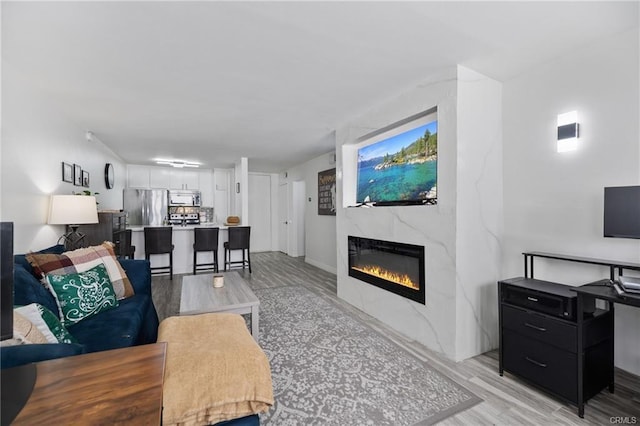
x=218 y=281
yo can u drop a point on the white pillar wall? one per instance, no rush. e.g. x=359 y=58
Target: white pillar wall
x=461 y=234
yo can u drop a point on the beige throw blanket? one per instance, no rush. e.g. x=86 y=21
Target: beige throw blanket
x=214 y=370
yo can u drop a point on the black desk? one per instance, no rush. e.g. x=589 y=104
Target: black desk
x=611 y=264
x=602 y=290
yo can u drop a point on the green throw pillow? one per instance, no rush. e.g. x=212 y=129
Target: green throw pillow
x=55 y=325
x=82 y=295
x=47 y=322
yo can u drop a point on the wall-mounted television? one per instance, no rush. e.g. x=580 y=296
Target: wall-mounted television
x=622 y=211
x=401 y=169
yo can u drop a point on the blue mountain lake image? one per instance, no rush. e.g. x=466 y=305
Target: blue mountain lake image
x=401 y=168
x=402 y=182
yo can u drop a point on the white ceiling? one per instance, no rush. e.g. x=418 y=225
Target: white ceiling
x=215 y=81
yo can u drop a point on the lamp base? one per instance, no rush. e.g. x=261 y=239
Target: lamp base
x=73 y=239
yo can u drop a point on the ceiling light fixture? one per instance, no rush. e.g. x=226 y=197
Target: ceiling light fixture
x=177 y=163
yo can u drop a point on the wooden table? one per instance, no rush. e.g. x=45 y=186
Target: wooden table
x=121 y=386
x=199 y=296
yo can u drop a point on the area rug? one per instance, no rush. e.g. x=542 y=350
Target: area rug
x=330 y=368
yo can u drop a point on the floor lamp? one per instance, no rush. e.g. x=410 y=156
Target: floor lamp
x=72 y=210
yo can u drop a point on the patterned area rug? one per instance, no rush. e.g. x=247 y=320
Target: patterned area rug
x=329 y=368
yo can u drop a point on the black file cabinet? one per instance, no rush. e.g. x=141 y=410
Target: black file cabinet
x=539 y=339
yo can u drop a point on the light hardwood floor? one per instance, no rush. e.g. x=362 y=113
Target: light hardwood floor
x=507 y=400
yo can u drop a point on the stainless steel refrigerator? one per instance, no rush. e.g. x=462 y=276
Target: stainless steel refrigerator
x=146 y=207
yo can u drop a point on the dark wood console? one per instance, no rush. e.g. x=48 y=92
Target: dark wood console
x=550 y=341
x=111 y=226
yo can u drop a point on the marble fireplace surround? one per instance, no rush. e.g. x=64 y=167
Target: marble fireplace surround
x=461 y=234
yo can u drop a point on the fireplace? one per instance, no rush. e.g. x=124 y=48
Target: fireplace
x=395 y=267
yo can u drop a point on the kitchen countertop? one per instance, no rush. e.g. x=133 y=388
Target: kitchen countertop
x=139 y=228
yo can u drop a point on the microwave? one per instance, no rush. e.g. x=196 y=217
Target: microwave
x=184 y=198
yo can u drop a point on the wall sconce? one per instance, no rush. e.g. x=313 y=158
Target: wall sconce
x=568 y=131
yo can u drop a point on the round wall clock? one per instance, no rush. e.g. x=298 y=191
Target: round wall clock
x=108 y=175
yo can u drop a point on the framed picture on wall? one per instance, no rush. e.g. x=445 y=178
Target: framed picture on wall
x=85 y=178
x=327 y=192
x=67 y=172
x=77 y=175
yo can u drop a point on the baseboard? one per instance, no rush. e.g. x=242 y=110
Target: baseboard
x=330 y=269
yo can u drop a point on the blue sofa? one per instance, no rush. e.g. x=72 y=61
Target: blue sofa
x=133 y=322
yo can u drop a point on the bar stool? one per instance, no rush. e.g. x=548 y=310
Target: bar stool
x=206 y=239
x=125 y=249
x=159 y=240
x=238 y=240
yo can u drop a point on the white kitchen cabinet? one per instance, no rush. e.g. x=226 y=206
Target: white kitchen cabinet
x=137 y=176
x=160 y=177
x=205 y=182
x=169 y=178
x=184 y=179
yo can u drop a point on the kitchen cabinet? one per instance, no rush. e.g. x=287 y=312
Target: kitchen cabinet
x=150 y=177
x=205 y=182
x=137 y=176
x=160 y=177
x=184 y=179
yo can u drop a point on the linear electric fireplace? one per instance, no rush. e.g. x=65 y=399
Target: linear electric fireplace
x=395 y=267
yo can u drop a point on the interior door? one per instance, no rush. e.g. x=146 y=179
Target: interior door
x=283 y=218
x=260 y=211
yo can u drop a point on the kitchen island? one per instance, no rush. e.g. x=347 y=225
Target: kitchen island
x=183 y=238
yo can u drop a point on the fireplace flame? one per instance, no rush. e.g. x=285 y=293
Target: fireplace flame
x=376 y=271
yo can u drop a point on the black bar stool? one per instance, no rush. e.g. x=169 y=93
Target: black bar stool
x=159 y=240
x=238 y=240
x=125 y=249
x=206 y=239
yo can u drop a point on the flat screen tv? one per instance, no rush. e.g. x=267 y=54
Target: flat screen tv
x=622 y=211
x=6 y=280
x=402 y=169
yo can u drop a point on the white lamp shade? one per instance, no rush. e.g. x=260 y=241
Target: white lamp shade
x=72 y=210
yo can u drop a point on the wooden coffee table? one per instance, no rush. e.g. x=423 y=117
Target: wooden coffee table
x=121 y=386
x=199 y=296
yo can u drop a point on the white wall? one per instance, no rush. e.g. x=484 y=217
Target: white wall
x=241 y=200
x=553 y=201
x=319 y=231
x=36 y=138
x=222 y=194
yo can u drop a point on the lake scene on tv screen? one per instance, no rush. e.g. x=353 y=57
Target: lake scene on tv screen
x=401 y=168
